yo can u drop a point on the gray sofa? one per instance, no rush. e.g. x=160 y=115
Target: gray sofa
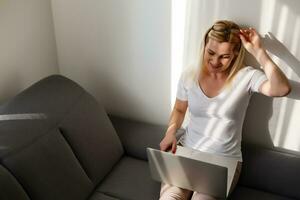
x=58 y=143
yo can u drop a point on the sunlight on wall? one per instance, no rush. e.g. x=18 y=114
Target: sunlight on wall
x=284 y=135
x=296 y=37
x=266 y=18
x=292 y=140
x=177 y=35
x=283 y=22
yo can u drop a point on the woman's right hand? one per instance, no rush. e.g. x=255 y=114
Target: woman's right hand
x=168 y=142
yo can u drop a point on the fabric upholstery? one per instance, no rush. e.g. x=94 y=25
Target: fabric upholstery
x=10 y=188
x=48 y=169
x=246 y=193
x=271 y=171
x=92 y=136
x=130 y=179
x=57 y=102
x=15 y=134
x=35 y=111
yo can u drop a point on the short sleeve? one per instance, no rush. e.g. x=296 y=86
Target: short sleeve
x=257 y=79
x=181 y=90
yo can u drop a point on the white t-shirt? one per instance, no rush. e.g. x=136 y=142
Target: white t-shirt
x=215 y=124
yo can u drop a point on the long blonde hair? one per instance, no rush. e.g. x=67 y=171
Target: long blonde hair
x=221 y=31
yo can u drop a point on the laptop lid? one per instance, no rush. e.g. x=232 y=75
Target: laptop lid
x=193 y=174
x=229 y=162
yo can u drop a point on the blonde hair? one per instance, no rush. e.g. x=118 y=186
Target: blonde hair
x=221 y=31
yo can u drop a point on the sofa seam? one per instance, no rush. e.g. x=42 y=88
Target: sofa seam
x=59 y=127
x=107 y=175
x=75 y=155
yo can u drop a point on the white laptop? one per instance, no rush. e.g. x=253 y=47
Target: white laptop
x=193 y=170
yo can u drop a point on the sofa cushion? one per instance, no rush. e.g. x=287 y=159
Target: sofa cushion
x=271 y=171
x=246 y=193
x=10 y=188
x=47 y=169
x=130 y=179
x=91 y=135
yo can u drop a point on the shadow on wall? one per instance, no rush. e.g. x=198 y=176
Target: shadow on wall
x=274 y=46
x=261 y=107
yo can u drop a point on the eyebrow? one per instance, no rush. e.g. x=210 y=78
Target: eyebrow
x=225 y=54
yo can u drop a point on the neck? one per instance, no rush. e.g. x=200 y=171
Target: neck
x=216 y=75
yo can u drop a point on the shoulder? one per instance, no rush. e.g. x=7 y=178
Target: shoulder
x=252 y=77
x=248 y=71
x=188 y=78
x=245 y=75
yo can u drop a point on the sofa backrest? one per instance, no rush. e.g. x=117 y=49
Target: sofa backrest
x=56 y=140
x=271 y=171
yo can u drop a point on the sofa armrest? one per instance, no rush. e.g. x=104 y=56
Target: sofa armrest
x=136 y=136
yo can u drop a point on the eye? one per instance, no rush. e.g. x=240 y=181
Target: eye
x=210 y=53
x=225 y=57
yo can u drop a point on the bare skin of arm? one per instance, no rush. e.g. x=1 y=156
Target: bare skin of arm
x=277 y=84
x=176 y=119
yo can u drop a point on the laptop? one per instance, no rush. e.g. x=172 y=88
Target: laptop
x=193 y=170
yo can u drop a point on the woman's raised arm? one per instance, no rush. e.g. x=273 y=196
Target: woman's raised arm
x=277 y=84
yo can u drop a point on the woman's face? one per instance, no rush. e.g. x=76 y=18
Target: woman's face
x=218 y=56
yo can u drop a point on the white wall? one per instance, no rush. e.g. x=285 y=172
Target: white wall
x=119 y=51
x=27 y=44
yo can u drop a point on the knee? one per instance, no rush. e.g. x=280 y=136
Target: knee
x=169 y=192
x=172 y=196
x=200 y=196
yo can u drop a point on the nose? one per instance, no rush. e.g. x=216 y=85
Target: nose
x=215 y=61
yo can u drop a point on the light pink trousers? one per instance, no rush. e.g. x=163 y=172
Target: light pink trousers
x=168 y=192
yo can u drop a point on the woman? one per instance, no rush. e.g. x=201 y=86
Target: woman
x=217 y=92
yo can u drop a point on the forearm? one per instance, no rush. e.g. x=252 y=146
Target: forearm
x=278 y=81
x=175 y=122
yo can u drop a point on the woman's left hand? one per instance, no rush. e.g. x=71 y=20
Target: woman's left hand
x=251 y=41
